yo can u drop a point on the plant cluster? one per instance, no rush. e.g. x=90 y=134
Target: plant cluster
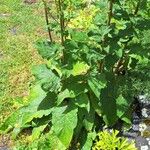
x=89 y=77
x=111 y=141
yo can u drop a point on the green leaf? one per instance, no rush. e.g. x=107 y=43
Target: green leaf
x=108 y=103
x=89 y=120
x=82 y=101
x=89 y=141
x=119 y=52
x=79 y=36
x=37 y=132
x=46 y=78
x=48 y=50
x=77 y=88
x=63 y=95
x=64 y=122
x=96 y=84
x=96 y=104
x=122 y=105
x=55 y=143
x=10 y=121
x=15 y=119
x=126 y=117
x=80 y=68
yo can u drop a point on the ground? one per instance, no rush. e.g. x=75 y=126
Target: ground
x=21 y=25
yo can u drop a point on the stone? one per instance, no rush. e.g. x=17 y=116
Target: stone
x=141 y=141
x=144 y=147
x=135 y=127
x=145 y=112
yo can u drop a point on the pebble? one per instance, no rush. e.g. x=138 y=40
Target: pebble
x=144 y=147
x=135 y=127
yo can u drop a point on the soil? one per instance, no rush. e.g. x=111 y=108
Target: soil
x=30 y=1
x=4 y=142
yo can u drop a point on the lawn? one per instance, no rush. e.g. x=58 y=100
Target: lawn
x=21 y=25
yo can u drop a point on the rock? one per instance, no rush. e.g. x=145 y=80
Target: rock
x=135 y=118
x=144 y=147
x=135 y=127
x=130 y=134
x=141 y=142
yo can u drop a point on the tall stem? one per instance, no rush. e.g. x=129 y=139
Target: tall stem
x=47 y=20
x=137 y=7
x=110 y=13
x=61 y=17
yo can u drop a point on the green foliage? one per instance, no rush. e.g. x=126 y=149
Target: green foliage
x=20 y=27
x=87 y=80
x=111 y=141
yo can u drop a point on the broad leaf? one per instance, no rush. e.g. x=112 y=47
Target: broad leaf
x=36 y=96
x=89 y=141
x=122 y=105
x=46 y=78
x=49 y=50
x=96 y=84
x=37 y=132
x=80 y=68
x=64 y=121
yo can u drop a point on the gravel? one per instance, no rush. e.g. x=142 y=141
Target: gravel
x=140 y=130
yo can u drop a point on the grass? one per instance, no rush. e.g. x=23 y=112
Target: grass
x=20 y=27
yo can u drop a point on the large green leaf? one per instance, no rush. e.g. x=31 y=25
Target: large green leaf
x=80 y=68
x=63 y=95
x=95 y=103
x=89 y=141
x=88 y=121
x=54 y=143
x=15 y=119
x=37 y=131
x=122 y=105
x=49 y=50
x=108 y=103
x=79 y=36
x=46 y=78
x=64 y=121
x=96 y=84
x=82 y=101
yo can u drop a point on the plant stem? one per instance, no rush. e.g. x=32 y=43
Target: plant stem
x=110 y=13
x=101 y=66
x=61 y=17
x=137 y=7
x=47 y=20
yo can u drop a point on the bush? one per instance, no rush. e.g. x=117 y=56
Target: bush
x=88 y=80
x=111 y=141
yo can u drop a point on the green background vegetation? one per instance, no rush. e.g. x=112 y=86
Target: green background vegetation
x=20 y=26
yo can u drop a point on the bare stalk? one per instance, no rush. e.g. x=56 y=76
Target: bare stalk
x=101 y=66
x=110 y=12
x=137 y=7
x=61 y=18
x=47 y=20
